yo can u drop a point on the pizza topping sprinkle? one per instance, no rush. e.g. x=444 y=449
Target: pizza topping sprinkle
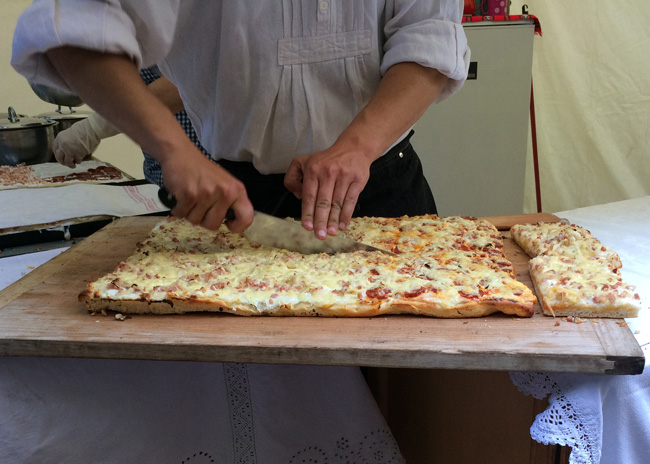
x=19 y=174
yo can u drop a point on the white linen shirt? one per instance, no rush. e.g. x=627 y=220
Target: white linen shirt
x=261 y=81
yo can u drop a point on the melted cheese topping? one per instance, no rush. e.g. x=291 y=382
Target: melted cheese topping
x=564 y=239
x=444 y=262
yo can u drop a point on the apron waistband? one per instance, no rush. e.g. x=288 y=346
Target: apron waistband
x=245 y=170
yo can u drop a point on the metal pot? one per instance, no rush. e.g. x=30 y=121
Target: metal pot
x=65 y=118
x=25 y=140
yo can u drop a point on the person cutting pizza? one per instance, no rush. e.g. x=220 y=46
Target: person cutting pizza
x=314 y=105
x=307 y=105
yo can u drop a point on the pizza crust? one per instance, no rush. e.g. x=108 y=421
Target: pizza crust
x=464 y=310
x=176 y=306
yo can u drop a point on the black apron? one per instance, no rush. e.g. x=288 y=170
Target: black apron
x=396 y=187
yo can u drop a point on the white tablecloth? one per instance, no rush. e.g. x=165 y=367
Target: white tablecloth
x=604 y=419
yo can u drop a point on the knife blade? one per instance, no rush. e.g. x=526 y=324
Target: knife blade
x=291 y=235
x=288 y=234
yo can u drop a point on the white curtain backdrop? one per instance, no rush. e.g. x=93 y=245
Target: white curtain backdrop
x=591 y=75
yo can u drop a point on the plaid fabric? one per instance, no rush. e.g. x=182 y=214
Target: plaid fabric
x=151 y=167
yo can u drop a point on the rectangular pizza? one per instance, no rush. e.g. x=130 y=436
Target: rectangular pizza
x=574 y=274
x=442 y=267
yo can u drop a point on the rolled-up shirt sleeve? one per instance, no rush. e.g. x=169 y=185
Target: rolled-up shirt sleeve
x=430 y=33
x=143 y=30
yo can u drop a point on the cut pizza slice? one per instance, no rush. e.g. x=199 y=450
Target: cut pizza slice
x=563 y=239
x=419 y=234
x=582 y=287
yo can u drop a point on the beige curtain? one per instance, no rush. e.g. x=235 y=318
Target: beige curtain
x=591 y=75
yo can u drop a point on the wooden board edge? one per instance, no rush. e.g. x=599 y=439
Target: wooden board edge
x=311 y=356
x=506 y=222
x=32 y=279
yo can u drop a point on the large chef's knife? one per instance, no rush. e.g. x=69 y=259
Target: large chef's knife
x=288 y=234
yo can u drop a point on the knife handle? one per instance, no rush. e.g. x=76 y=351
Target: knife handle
x=169 y=201
x=166 y=198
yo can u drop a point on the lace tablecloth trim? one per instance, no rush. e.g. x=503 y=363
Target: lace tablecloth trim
x=568 y=420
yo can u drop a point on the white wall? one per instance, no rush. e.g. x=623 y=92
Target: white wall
x=120 y=151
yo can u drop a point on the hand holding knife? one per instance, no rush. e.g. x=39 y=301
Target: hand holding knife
x=284 y=233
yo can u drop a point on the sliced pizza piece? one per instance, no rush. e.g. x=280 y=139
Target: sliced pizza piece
x=563 y=239
x=582 y=287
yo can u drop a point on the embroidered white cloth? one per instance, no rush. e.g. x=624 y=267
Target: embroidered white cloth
x=55 y=410
x=604 y=419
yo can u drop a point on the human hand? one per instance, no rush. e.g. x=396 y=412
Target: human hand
x=204 y=192
x=329 y=183
x=81 y=139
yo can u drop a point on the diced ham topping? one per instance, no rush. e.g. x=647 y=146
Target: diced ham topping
x=379 y=293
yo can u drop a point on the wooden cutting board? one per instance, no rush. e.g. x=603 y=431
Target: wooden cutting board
x=41 y=316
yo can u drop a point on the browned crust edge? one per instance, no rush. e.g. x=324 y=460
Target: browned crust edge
x=180 y=306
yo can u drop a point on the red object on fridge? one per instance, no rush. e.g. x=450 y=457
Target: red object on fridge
x=469 y=8
x=497 y=7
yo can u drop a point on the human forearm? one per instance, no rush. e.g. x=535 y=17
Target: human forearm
x=112 y=86
x=329 y=182
x=403 y=95
x=167 y=93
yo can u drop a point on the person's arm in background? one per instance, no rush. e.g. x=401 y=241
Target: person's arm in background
x=111 y=85
x=167 y=93
x=329 y=182
x=73 y=145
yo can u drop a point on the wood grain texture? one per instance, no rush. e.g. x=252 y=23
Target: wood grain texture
x=41 y=316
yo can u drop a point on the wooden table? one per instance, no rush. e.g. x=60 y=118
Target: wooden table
x=41 y=316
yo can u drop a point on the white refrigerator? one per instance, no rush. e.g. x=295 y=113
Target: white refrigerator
x=473 y=145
